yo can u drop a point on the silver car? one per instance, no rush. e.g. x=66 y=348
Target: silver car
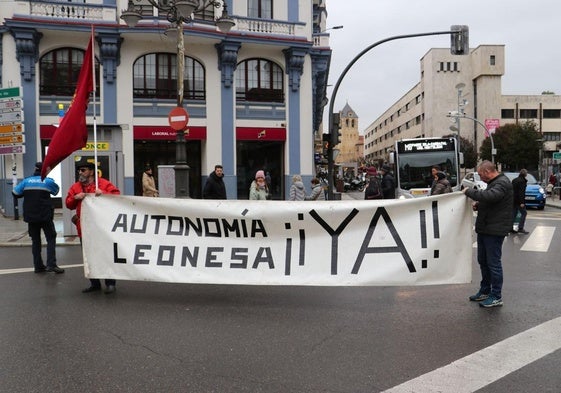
x=472 y=180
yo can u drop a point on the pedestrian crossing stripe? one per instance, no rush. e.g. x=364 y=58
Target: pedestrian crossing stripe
x=538 y=240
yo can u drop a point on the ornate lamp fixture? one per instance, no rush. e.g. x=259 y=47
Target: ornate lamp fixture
x=179 y=11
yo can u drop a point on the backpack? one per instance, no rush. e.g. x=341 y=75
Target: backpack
x=373 y=191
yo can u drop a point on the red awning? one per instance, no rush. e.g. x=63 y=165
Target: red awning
x=260 y=134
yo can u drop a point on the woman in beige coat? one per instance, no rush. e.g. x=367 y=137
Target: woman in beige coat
x=148 y=183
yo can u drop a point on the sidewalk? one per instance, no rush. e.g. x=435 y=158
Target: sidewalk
x=13 y=233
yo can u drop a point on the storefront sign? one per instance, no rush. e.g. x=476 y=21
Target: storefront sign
x=260 y=134
x=166 y=133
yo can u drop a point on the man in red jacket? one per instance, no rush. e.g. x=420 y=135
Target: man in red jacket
x=76 y=194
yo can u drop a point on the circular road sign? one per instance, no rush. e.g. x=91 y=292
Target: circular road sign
x=178 y=118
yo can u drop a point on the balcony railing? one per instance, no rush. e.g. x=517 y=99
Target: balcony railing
x=67 y=9
x=265 y=26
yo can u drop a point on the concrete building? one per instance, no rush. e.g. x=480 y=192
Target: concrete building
x=471 y=84
x=255 y=95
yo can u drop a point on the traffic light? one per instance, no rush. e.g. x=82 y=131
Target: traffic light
x=326 y=140
x=459 y=41
x=336 y=127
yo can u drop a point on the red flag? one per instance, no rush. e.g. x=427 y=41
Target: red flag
x=72 y=133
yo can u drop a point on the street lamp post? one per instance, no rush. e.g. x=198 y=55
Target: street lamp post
x=457 y=116
x=459 y=46
x=179 y=12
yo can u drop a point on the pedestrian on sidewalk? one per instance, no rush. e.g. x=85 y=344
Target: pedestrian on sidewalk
x=493 y=222
x=84 y=187
x=149 y=183
x=38 y=212
x=214 y=186
x=297 y=190
x=519 y=201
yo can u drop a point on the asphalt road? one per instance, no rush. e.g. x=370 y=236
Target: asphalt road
x=154 y=337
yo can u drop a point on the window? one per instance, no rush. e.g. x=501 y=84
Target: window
x=492 y=60
x=59 y=72
x=528 y=113
x=155 y=76
x=507 y=113
x=259 y=80
x=552 y=113
x=552 y=136
x=262 y=9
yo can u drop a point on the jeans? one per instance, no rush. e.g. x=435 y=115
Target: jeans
x=34 y=230
x=523 y=213
x=489 y=252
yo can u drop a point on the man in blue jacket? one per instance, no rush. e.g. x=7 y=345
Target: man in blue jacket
x=493 y=223
x=38 y=212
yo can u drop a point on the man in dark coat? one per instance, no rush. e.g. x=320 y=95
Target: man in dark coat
x=388 y=182
x=519 y=201
x=494 y=221
x=38 y=212
x=214 y=186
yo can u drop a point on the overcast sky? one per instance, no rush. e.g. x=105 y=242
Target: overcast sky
x=530 y=31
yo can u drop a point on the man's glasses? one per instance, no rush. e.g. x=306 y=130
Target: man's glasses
x=82 y=169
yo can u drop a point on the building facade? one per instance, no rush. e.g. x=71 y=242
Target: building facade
x=255 y=95
x=468 y=84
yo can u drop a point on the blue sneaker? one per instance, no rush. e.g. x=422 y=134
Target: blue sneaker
x=492 y=301
x=478 y=297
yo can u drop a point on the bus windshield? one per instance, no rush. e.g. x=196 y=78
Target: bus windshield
x=415 y=169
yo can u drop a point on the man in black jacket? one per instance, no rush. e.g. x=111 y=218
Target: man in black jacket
x=388 y=182
x=214 y=186
x=494 y=221
x=519 y=201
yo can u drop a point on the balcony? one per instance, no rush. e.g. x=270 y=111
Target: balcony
x=68 y=10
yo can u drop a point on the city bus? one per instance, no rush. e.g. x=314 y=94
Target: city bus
x=414 y=158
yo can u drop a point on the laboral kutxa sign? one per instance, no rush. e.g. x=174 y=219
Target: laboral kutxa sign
x=419 y=241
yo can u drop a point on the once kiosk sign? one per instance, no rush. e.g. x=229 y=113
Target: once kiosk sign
x=178 y=118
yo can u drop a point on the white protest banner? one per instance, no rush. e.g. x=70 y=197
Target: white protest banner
x=419 y=241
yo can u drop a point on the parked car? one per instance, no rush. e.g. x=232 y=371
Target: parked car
x=472 y=180
x=535 y=193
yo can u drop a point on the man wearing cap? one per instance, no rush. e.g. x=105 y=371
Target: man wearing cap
x=78 y=191
x=388 y=182
x=38 y=212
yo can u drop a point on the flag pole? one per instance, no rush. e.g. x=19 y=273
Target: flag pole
x=94 y=109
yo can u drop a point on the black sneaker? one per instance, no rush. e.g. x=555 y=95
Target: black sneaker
x=54 y=269
x=110 y=289
x=40 y=270
x=523 y=231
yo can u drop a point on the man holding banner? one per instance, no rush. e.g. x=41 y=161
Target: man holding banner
x=493 y=223
x=85 y=186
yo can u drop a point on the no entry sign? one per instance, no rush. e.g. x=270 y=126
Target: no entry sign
x=178 y=118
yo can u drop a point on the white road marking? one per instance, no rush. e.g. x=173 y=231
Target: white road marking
x=539 y=239
x=472 y=372
x=30 y=269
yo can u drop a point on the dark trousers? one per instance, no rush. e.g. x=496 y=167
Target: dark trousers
x=95 y=282
x=523 y=214
x=489 y=253
x=34 y=230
